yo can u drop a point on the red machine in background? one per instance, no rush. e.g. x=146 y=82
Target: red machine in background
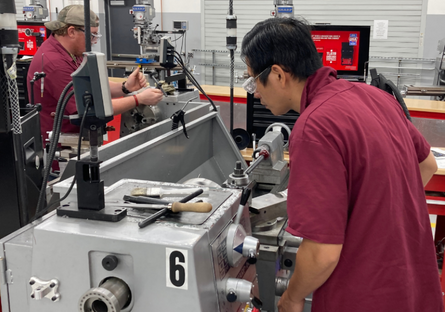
x=31 y=36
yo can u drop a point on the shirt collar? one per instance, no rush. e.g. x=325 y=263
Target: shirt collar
x=56 y=44
x=321 y=78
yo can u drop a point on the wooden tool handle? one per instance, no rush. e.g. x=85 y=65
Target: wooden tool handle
x=193 y=207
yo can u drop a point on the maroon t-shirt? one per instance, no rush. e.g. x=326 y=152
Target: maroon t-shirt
x=355 y=180
x=58 y=66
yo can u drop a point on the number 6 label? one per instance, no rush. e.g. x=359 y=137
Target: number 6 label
x=177 y=263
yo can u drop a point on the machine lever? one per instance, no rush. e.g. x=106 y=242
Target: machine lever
x=244 y=198
x=153 y=74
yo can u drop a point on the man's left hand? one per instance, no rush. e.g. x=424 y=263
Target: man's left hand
x=287 y=305
x=135 y=81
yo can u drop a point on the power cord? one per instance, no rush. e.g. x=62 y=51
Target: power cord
x=192 y=78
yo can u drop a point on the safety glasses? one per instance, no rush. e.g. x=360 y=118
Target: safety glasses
x=250 y=84
x=94 y=36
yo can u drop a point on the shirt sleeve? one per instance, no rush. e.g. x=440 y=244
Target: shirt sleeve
x=317 y=194
x=420 y=144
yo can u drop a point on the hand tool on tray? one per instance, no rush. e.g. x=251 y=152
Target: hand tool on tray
x=160 y=192
x=164 y=211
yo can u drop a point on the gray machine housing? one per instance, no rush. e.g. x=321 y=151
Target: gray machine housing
x=161 y=154
x=68 y=253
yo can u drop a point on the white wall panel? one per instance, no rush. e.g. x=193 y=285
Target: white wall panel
x=178 y=6
x=19 y=4
x=436 y=7
x=405 y=23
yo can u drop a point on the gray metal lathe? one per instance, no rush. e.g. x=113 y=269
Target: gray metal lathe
x=184 y=262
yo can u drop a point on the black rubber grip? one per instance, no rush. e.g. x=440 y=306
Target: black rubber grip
x=191 y=196
x=245 y=196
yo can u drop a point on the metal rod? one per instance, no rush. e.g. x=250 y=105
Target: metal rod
x=213 y=68
x=87 y=25
x=232 y=63
x=254 y=164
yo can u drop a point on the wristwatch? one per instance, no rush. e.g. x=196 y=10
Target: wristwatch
x=124 y=89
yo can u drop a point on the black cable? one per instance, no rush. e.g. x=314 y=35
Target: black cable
x=79 y=144
x=193 y=80
x=51 y=153
x=189 y=75
x=60 y=108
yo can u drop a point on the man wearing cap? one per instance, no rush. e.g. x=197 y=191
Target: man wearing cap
x=62 y=55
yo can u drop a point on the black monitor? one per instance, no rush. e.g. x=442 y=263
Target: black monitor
x=344 y=48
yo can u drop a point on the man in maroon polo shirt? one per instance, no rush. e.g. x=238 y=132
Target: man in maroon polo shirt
x=62 y=55
x=357 y=171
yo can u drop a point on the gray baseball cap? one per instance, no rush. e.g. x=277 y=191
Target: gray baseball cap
x=72 y=15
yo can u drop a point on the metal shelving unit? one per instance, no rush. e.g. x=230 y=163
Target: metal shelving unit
x=398 y=67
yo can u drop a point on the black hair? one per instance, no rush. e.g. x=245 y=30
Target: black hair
x=282 y=41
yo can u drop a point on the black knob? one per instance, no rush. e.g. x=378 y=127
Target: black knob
x=252 y=260
x=110 y=262
x=288 y=263
x=231 y=296
x=257 y=303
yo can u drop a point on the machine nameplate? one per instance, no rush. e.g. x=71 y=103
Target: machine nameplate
x=139 y=8
x=177 y=268
x=28 y=9
x=285 y=9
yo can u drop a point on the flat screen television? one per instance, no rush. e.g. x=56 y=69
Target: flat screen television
x=344 y=48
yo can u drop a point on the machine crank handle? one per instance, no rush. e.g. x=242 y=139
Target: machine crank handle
x=244 y=198
x=153 y=74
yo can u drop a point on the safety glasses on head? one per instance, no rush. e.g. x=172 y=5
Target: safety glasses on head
x=250 y=84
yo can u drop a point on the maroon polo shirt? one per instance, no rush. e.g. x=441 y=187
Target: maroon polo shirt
x=58 y=66
x=355 y=180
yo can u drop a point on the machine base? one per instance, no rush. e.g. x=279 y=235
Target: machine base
x=109 y=214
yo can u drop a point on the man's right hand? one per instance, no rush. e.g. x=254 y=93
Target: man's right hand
x=150 y=96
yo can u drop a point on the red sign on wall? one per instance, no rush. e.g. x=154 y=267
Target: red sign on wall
x=338 y=49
